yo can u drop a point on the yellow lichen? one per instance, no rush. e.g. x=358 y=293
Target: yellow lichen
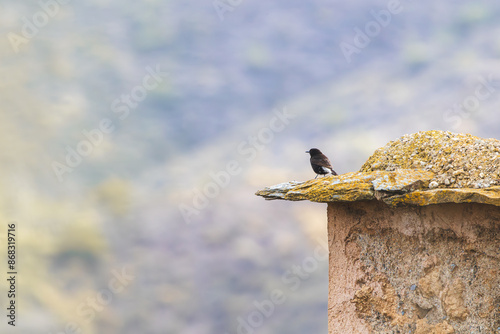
x=428 y=167
x=458 y=160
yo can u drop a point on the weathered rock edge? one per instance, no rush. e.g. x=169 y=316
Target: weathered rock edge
x=395 y=188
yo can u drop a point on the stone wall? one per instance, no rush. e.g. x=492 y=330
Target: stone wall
x=428 y=269
x=414 y=236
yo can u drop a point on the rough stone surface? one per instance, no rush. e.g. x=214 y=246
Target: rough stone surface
x=414 y=237
x=453 y=300
x=457 y=160
x=397 y=188
x=441 y=328
x=349 y=187
x=430 y=269
x=424 y=168
x=430 y=284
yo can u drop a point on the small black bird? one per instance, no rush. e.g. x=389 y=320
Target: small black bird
x=320 y=163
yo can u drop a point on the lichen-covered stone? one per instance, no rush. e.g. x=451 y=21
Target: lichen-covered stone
x=428 y=167
x=411 y=267
x=435 y=196
x=350 y=187
x=457 y=160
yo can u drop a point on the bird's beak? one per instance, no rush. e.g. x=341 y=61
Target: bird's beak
x=307 y=151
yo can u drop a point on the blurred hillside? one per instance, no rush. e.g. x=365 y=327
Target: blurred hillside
x=169 y=94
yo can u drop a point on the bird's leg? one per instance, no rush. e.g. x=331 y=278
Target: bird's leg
x=316 y=176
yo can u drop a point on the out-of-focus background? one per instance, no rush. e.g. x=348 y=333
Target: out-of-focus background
x=135 y=134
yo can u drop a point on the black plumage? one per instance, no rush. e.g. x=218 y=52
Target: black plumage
x=320 y=163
